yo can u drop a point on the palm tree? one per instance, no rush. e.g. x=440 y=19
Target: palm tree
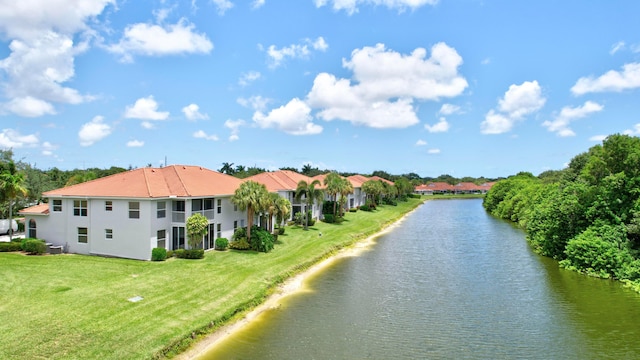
x=227 y=168
x=346 y=188
x=250 y=196
x=333 y=183
x=311 y=194
x=12 y=185
x=283 y=210
x=373 y=189
x=271 y=207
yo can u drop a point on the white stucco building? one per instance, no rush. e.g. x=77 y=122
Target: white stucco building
x=130 y=213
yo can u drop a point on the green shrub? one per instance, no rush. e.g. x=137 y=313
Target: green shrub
x=34 y=247
x=239 y=234
x=179 y=253
x=595 y=252
x=327 y=207
x=16 y=240
x=158 y=254
x=415 y=196
x=222 y=244
x=194 y=254
x=298 y=218
x=261 y=240
x=353 y=209
x=240 y=244
x=10 y=246
x=170 y=254
x=329 y=218
x=281 y=230
x=365 y=207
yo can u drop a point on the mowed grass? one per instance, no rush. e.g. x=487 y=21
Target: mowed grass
x=76 y=307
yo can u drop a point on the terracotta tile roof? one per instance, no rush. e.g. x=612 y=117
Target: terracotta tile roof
x=357 y=180
x=281 y=180
x=381 y=179
x=40 y=209
x=174 y=180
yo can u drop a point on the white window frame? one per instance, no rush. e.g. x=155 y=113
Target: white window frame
x=57 y=205
x=83 y=234
x=161 y=207
x=108 y=205
x=108 y=234
x=134 y=210
x=79 y=206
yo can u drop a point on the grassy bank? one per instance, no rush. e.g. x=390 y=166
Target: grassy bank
x=73 y=306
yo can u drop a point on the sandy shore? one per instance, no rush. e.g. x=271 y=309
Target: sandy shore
x=289 y=287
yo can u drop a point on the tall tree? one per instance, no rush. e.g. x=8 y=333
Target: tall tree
x=311 y=194
x=197 y=227
x=373 y=189
x=227 y=168
x=283 y=207
x=346 y=188
x=333 y=184
x=12 y=185
x=250 y=197
x=81 y=177
x=271 y=207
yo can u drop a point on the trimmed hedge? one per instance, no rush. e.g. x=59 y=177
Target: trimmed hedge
x=34 y=247
x=240 y=244
x=329 y=218
x=10 y=246
x=158 y=254
x=222 y=244
x=189 y=253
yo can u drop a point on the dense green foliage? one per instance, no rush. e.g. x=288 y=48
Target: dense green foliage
x=10 y=246
x=34 y=246
x=197 y=228
x=261 y=240
x=587 y=216
x=158 y=254
x=222 y=243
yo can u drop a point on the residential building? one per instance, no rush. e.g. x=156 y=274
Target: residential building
x=130 y=213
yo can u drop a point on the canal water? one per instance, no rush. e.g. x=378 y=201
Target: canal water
x=450 y=282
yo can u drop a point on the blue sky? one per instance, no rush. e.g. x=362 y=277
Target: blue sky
x=466 y=88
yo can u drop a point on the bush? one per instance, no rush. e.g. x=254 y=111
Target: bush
x=353 y=209
x=189 y=253
x=222 y=244
x=389 y=201
x=34 y=247
x=158 y=254
x=329 y=218
x=595 y=253
x=327 y=207
x=298 y=218
x=240 y=244
x=10 y=246
x=261 y=240
x=170 y=254
x=179 y=253
x=239 y=234
x=365 y=207
x=281 y=230
x=311 y=222
x=415 y=196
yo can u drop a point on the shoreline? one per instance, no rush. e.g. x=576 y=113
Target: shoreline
x=289 y=287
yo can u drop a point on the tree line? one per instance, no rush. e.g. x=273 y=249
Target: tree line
x=587 y=215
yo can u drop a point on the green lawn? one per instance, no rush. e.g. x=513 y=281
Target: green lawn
x=74 y=306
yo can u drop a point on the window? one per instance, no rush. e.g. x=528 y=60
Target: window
x=219 y=206
x=79 y=207
x=241 y=222
x=162 y=209
x=108 y=205
x=83 y=236
x=235 y=207
x=57 y=205
x=162 y=239
x=218 y=231
x=134 y=210
x=108 y=234
x=235 y=226
x=178 y=211
x=32 y=228
x=178 y=238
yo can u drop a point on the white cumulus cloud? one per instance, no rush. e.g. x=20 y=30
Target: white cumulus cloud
x=560 y=124
x=135 y=143
x=256 y=4
x=192 y=112
x=616 y=81
x=441 y=126
x=433 y=151
x=234 y=126
x=200 y=134
x=145 y=109
x=598 y=138
x=517 y=102
x=10 y=138
x=449 y=109
x=224 y=5
x=160 y=40
x=93 y=131
x=421 y=142
x=248 y=78
x=351 y=6
x=293 y=118
x=617 y=47
x=385 y=85
x=42 y=50
x=294 y=51
x=633 y=131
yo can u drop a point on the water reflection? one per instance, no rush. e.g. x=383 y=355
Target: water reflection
x=450 y=282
